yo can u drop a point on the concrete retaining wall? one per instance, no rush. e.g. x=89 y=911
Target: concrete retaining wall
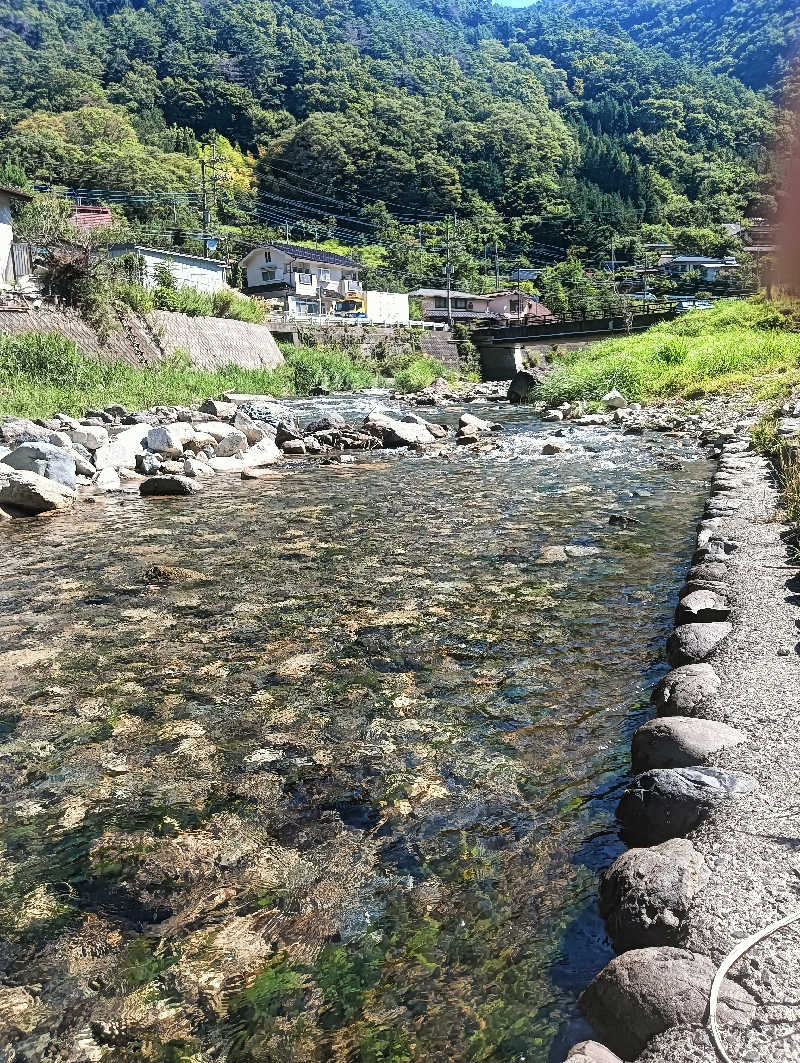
x=213 y=342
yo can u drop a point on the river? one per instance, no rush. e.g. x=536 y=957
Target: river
x=343 y=788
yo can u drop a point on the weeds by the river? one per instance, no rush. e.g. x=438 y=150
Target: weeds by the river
x=751 y=345
x=45 y=373
x=785 y=457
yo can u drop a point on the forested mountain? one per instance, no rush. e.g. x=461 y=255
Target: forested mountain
x=753 y=40
x=540 y=128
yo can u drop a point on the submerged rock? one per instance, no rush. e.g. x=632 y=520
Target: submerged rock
x=665 y=803
x=647 y=991
x=646 y=893
x=168 y=485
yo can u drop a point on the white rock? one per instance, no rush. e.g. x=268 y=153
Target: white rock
x=216 y=429
x=226 y=464
x=235 y=442
x=108 y=480
x=263 y=453
x=123 y=448
x=90 y=436
x=615 y=400
x=196 y=469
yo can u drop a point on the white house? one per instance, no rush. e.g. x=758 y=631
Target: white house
x=306 y=280
x=708 y=268
x=509 y=306
x=9 y=257
x=189 y=271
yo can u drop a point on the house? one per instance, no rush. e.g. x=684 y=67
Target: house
x=189 y=271
x=708 y=268
x=503 y=306
x=305 y=279
x=14 y=257
x=91 y=217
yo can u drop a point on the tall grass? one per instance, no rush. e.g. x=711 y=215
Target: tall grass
x=736 y=345
x=45 y=373
x=785 y=457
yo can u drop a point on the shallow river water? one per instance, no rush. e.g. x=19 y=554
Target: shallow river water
x=342 y=790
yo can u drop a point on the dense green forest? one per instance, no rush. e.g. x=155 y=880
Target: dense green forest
x=753 y=40
x=371 y=121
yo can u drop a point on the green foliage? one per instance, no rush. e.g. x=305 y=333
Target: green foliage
x=734 y=346
x=413 y=373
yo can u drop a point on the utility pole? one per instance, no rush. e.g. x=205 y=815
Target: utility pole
x=519 y=295
x=287 y=232
x=496 y=269
x=206 y=216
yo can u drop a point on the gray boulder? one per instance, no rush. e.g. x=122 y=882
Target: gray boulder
x=646 y=893
x=235 y=442
x=691 y=643
x=263 y=453
x=707 y=571
x=45 y=460
x=469 y=420
x=251 y=429
x=149 y=464
x=122 y=449
x=394 y=433
x=592 y=1052
x=219 y=409
x=647 y=991
x=329 y=422
x=168 y=485
x=665 y=803
x=90 y=436
x=680 y=742
x=271 y=412
x=702 y=607
x=27 y=492
x=716 y=586
x=168 y=439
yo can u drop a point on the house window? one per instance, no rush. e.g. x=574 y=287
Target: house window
x=514 y=306
x=470 y=306
x=267 y=256
x=460 y=304
x=439 y=302
x=267 y=275
x=324 y=274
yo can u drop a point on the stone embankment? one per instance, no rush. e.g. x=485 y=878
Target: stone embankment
x=45 y=465
x=712 y=811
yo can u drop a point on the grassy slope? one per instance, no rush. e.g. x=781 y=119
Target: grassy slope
x=750 y=346
x=41 y=374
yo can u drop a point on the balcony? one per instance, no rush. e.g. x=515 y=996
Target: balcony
x=350 y=288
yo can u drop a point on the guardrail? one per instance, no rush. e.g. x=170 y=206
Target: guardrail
x=324 y=319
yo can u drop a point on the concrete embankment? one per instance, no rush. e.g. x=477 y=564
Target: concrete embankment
x=714 y=813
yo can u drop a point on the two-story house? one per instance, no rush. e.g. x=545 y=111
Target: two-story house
x=308 y=281
x=708 y=268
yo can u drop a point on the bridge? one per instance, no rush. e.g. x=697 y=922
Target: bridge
x=504 y=349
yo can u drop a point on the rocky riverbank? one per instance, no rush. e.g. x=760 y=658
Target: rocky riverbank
x=712 y=812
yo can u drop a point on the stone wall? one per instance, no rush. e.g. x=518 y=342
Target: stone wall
x=369 y=339
x=130 y=343
x=213 y=342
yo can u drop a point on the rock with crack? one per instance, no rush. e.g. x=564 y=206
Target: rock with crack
x=29 y=493
x=646 y=894
x=692 y=643
x=680 y=742
x=647 y=991
x=592 y=1052
x=665 y=803
x=168 y=485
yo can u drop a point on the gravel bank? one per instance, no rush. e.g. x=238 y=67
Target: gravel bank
x=750 y=846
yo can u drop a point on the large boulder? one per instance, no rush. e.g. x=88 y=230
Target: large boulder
x=121 y=451
x=680 y=742
x=254 y=431
x=691 y=643
x=28 y=492
x=683 y=690
x=219 y=409
x=265 y=410
x=667 y=803
x=53 y=463
x=702 y=607
x=216 y=430
x=168 y=439
x=168 y=485
x=646 y=894
x=327 y=423
x=394 y=433
x=647 y=991
x=263 y=453
x=235 y=442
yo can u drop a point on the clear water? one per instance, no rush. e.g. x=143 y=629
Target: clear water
x=344 y=793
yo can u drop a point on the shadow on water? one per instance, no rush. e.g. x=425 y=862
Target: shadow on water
x=344 y=789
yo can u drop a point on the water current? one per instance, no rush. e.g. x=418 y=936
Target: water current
x=342 y=789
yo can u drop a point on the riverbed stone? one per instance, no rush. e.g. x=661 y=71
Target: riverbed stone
x=667 y=803
x=469 y=420
x=646 y=894
x=219 y=409
x=122 y=449
x=395 y=433
x=251 y=429
x=521 y=387
x=683 y=690
x=644 y=992
x=716 y=586
x=263 y=453
x=31 y=493
x=702 y=607
x=196 y=469
x=107 y=480
x=615 y=400
x=680 y=742
x=235 y=442
x=552 y=555
x=215 y=430
x=706 y=571
x=592 y=1052
x=168 y=485
x=167 y=440
x=90 y=436
x=44 y=459
x=271 y=412
x=691 y=643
